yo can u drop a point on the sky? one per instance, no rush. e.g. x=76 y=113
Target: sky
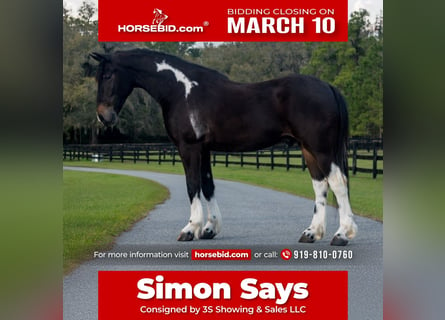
x=373 y=6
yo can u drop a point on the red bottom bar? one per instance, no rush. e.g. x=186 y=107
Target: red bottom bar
x=221 y=294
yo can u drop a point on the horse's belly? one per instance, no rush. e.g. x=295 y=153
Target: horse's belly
x=243 y=143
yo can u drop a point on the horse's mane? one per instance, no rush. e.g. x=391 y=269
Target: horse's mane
x=192 y=67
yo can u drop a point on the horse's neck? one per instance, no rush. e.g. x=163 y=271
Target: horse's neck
x=154 y=82
x=150 y=84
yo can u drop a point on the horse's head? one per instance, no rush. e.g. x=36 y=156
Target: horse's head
x=114 y=86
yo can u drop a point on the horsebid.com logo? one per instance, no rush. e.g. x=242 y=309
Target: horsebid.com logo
x=159 y=16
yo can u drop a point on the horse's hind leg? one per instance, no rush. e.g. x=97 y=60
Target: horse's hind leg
x=324 y=173
x=317 y=228
x=191 y=159
x=338 y=183
x=214 y=219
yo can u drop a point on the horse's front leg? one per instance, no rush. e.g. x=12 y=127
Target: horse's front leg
x=191 y=159
x=214 y=219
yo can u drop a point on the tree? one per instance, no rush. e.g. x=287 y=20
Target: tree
x=255 y=61
x=356 y=68
x=79 y=90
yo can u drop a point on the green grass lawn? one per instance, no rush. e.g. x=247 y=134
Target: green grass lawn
x=366 y=193
x=98 y=207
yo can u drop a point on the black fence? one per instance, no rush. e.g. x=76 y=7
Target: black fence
x=365 y=156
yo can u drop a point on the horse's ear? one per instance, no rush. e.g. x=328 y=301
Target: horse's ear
x=99 y=56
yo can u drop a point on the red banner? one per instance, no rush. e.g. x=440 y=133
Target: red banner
x=233 y=20
x=221 y=294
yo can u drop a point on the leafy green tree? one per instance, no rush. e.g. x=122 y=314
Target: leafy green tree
x=356 y=68
x=79 y=92
x=255 y=61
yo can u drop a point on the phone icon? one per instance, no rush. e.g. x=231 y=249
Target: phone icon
x=286 y=254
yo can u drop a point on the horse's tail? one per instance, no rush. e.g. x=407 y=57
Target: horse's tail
x=341 y=156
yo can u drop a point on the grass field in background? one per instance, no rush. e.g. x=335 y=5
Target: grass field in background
x=93 y=206
x=366 y=193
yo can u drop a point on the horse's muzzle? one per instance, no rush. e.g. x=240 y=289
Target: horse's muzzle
x=106 y=115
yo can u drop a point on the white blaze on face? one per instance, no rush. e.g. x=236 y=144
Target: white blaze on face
x=179 y=75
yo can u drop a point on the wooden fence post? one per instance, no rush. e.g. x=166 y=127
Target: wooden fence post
x=374 y=161
x=354 y=158
x=242 y=159
x=147 y=154
x=214 y=158
x=303 y=162
x=271 y=159
x=227 y=159
x=287 y=159
x=257 y=159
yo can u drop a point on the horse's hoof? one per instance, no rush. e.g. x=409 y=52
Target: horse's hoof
x=185 y=236
x=207 y=234
x=306 y=238
x=339 y=241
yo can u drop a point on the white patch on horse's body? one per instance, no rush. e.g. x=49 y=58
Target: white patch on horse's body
x=179 y=75
x=196 y=218
x=198 y=128
x=339 y=185
x=214 y=218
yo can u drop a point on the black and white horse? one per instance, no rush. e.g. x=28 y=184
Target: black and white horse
x=205 y=111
